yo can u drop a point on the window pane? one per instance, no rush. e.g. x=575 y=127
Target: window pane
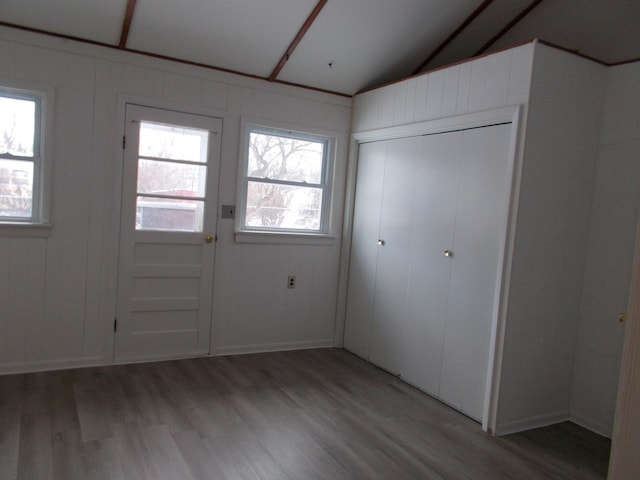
x=16 y=189
x=283 y=206
x=168 y=178
x=17 y=126
x=176 y=143
x=283 y=158
x=169 y=214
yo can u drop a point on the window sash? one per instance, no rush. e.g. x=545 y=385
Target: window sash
x=324 y=186
x=285 y=182
x=35 y=159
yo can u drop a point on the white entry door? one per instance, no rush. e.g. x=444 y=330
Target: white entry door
x=167 y=234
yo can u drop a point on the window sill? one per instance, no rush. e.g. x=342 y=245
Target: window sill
x=284 y=238
x=28 y=230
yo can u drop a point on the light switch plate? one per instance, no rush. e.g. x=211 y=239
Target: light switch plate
x=228 y=211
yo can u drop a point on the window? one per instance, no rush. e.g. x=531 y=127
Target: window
x=20 y=156
x=172 y=174
x=285 y=182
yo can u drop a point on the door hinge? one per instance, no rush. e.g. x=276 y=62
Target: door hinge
x=124 y=141
x=115 y=324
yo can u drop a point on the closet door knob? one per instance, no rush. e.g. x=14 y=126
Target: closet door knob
x=448 y=253
x=381 y=242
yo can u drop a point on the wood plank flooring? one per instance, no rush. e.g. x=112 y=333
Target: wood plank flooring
x=317 y=414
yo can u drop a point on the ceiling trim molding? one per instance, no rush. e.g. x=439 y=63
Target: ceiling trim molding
x=55 y=34
x=624 y=62
x=298 y=38
x=126 y=24
x=171 y=59
x=514 y=21
x=574 y=52
x=481 y=8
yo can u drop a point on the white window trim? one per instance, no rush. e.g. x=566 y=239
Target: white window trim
x=39 y=226
x=285 y=236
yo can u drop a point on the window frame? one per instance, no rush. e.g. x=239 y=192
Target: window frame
x=203 y=162
x=37 y=225
x=244 y=232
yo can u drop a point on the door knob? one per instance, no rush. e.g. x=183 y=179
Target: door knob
x=381 y=242
x=208 y=239
x=448 y=253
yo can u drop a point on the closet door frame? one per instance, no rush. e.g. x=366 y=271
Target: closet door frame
x=511 y=115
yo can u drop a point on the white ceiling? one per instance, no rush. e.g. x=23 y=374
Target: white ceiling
x=351 y=44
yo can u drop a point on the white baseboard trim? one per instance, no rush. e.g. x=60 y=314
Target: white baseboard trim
x=48 y=365
x=98 y=361
x=595 y=427
x=272 y=347
x=530 y=423
x=155 y=358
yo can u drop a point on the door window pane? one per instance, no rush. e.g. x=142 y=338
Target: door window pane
x=170 y=178
x=169 y=214
x=172 y=142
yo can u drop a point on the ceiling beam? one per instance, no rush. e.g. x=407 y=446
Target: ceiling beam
x=303 y=30
x=508 y=27
x=126 y=24
x=453 y=35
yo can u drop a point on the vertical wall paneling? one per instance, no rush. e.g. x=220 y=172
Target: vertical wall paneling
x=61 y=304
x=558 y=342
x=464 y=88
x=105 y=205
x=450 y=91
x=490 y=82
x=550 y=244
x=616 y=205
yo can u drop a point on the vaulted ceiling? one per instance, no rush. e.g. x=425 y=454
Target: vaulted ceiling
x=341 y=46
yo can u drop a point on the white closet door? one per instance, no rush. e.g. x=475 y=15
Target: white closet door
x=394 y=263
x=364 y=250
x=484 y=186
x=428 y=235
x=434 y=205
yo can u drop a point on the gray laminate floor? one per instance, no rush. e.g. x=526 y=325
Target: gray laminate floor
x=318 y=414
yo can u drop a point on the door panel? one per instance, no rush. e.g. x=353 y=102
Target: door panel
x=437 y=173
x=478 y=243
x=165 y=273
x=396 y=225
x=364 y=248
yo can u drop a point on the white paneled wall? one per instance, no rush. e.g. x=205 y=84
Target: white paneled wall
x=556 y=192
x=43 y=318
x=57 y=294
x=610 y=253
x=578 y=205
x=491 y=82
x=255 y=310
x=456 y=90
